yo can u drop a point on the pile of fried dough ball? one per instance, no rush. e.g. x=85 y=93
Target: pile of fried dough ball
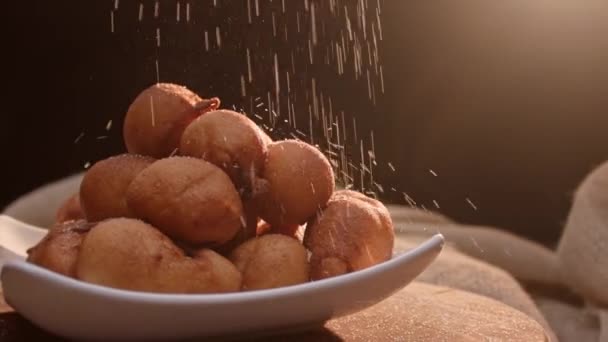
x=205 y=202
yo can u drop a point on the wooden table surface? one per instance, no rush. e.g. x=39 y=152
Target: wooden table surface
x=420 y=312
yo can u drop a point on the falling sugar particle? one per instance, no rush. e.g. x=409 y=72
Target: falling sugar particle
x=298 y=21
x=390 y=165
x=188 y=12
x=116 y=4
x=277 y=85
x=218 y=37
x=369 y=85
x=109 y=125
x=379 y=187
x=87 y=165
x=409 y=200
x=379 y=24
x=112 y=21
x=243 y=92
x=436 y=204
x=471 y=203
x=78 y=138
x=313 y=23
x=101 y=137
x=249 y=73
x=157 y=72
x=433 y=172
x=152 y=114
x=476 y=244
x=156 y=7
x=178 y=12
x=206 y=41
x=141 y=12
x=158 y=37
x=249 y=11
x=381 y=79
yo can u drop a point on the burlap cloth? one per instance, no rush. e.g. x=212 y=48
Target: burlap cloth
x=565 y=290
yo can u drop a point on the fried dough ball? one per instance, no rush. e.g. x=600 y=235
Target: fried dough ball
x=158 y=116
x=130 y=254
x=104 y=186
x=70 y=210
x=352 y=233
x=229 y=140
x=271 y=261
x=188 y=199
x=298 y=181
x=58 y=250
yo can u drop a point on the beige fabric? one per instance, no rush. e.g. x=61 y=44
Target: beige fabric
x=583 y=249
x=400 y=213
x=570 y=322
x=603 y=315
x=526 y=260
x=579 y=264
x=431 y=316
x=456 y=270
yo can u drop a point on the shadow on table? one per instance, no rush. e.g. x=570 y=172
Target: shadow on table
x=13 y=327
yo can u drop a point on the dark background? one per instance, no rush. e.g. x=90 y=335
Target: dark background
x=505 y=101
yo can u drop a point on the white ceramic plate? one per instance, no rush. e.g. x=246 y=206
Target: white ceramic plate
x=79 y=310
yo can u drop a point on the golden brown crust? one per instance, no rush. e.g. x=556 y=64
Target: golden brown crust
x=352 y=233
x=58 y=250
x=188 y=199
x=130 y=254
x=297 y=182
x=230 y=141
x=157 y=117
x=271 y=261
x=104 y=186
